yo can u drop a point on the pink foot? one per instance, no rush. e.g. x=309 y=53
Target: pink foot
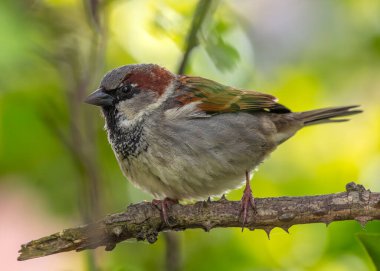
x=247 y=201
x=164 y=205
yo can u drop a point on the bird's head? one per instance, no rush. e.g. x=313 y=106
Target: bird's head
x=132 y=89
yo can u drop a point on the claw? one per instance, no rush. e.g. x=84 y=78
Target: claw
x=246 y=201
x=164 y=205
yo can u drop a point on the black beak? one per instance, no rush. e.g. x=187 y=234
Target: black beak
x=99 y=98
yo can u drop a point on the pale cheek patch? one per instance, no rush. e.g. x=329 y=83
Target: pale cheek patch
x=126 y=109
x=131 y=109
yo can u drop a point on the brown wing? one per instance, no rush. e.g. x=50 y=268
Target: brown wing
x=215 y=97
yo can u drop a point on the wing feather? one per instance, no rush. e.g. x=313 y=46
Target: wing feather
x=214 y=97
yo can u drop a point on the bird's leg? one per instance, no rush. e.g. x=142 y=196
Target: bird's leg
x=247 y=200
x=164 y=205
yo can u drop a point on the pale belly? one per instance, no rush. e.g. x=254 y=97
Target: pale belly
x=183 y=183
x=195 y=159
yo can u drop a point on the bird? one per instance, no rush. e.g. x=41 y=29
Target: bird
x=181 y=137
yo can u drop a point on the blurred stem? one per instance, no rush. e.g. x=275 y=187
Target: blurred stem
x=93 y=181
x=80 y=139
x=173 y=256
x=202 y=10
x=91 y=261
x=92 y=8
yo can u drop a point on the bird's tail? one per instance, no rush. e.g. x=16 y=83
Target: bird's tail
x=327 y=115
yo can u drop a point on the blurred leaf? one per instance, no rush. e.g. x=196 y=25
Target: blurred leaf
x=371 y=243
x=222 y=26
x=224 y=56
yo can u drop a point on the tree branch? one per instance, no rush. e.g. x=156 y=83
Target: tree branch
x=142 y=221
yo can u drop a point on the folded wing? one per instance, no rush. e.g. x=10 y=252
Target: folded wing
x=213 y=97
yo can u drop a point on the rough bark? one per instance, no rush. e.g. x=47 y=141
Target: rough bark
x=143 y=221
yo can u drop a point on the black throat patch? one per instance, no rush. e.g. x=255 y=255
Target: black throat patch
x=128 y=142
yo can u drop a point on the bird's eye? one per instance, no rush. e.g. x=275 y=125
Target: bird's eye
x=125 y=92
x=126 y=88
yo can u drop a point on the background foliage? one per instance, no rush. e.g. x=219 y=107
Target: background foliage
x=56 y=166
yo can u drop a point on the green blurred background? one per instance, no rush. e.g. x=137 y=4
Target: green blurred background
x=56 y=167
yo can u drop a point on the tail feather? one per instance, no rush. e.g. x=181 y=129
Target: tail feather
x=327 y=115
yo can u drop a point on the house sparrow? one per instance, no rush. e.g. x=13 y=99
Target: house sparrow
x=183 y=137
